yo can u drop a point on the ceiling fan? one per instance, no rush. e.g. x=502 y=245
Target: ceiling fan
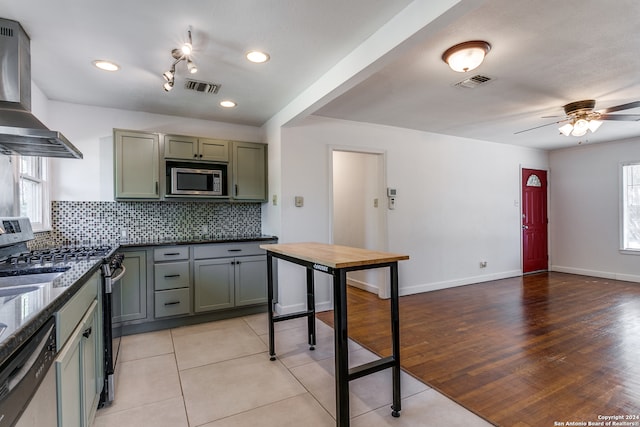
x=581 y=118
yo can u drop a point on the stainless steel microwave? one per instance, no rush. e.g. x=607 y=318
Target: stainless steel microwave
x=196 y=181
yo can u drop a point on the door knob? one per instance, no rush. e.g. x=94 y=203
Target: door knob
x=525 y=227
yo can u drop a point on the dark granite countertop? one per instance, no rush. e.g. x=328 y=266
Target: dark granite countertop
x=23 y=314
x=134 y=243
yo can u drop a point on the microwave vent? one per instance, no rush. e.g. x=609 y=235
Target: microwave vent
x=204 y=87
x=6 y=31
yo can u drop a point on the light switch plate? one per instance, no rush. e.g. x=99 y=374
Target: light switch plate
x=299 y=200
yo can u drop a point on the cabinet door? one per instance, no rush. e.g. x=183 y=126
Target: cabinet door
x=130 y=293
x=213 y=284
x=249 y=171
x=213 y=150
x=76 y=373
x=69 y=390
x=251 y=280
x=91 y=368
x=180 y=147
x=137 y=165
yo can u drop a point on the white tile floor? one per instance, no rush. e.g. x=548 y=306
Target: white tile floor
x=219 y=374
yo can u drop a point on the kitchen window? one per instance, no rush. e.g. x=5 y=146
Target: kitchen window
x=33 y=191
x=631 y=207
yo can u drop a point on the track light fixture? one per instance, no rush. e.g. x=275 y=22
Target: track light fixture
x=181 y=54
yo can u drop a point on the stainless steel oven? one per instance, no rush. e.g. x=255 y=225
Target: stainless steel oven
x=113 y=270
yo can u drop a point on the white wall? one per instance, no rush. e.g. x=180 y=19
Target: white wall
x=90 y=129
x=458 y=201
x=585 y=210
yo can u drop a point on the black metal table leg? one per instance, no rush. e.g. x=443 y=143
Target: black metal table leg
x=395 y=337
x=272 y=345
x=341 y=337
x=311 y=309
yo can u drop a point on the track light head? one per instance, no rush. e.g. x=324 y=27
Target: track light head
x=181 y=54
x=191 y=66
x=169 y=75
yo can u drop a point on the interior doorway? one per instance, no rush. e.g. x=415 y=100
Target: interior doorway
x=535 y=254
x=359 y=216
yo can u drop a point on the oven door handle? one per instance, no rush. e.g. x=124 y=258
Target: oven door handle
x=119 y=276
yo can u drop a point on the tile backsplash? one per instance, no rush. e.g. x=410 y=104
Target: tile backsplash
x=91 y=222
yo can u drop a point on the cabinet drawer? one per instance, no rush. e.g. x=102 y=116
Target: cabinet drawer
x=68 y=317
x=227 y=250
x=170 y=254
x=171 y=303
x=171 y=275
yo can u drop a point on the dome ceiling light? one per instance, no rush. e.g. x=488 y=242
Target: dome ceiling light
x=466 y=56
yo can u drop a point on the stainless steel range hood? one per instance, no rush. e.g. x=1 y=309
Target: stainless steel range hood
x=20 y=131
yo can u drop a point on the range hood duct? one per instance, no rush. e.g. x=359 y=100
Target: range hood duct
x=20 y=131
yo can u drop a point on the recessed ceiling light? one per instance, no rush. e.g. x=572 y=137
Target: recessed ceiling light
x=106 y=65
x=257 y=56
x=227 y=104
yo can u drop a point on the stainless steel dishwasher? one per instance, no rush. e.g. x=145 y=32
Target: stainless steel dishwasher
x=27 y=373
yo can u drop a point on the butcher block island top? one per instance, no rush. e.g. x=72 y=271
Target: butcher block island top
x=335 y=256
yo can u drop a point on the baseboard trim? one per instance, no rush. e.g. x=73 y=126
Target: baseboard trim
x=428 y=287
x=596 y=273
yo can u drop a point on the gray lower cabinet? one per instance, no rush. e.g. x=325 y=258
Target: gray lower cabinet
x=172 y=280
x=230 y=282
x=130 y=292
x=78 y=371
x=213 y=284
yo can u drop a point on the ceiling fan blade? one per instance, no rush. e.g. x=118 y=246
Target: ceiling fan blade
x=634 y=104
x=550 y=117
x=537 y=127
x=621 y=117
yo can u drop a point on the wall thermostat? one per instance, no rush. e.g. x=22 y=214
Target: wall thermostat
x=391 y=194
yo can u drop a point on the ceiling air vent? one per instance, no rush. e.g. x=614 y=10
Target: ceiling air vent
x=473 y=82
x=202 y=86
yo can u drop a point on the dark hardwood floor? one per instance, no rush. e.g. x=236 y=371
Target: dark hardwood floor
x=528 y=351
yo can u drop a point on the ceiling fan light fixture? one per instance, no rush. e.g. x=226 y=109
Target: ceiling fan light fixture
x=168 y=86
x=594 y=125
x=566 y=129
x=466 y=56
x=580 y=127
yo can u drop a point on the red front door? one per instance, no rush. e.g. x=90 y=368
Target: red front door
x=534 y=221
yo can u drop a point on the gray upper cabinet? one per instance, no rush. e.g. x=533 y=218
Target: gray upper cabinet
x=192 y=148
x=249 y=171
x=137 y=165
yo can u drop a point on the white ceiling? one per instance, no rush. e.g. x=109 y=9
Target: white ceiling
x=544 y=54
